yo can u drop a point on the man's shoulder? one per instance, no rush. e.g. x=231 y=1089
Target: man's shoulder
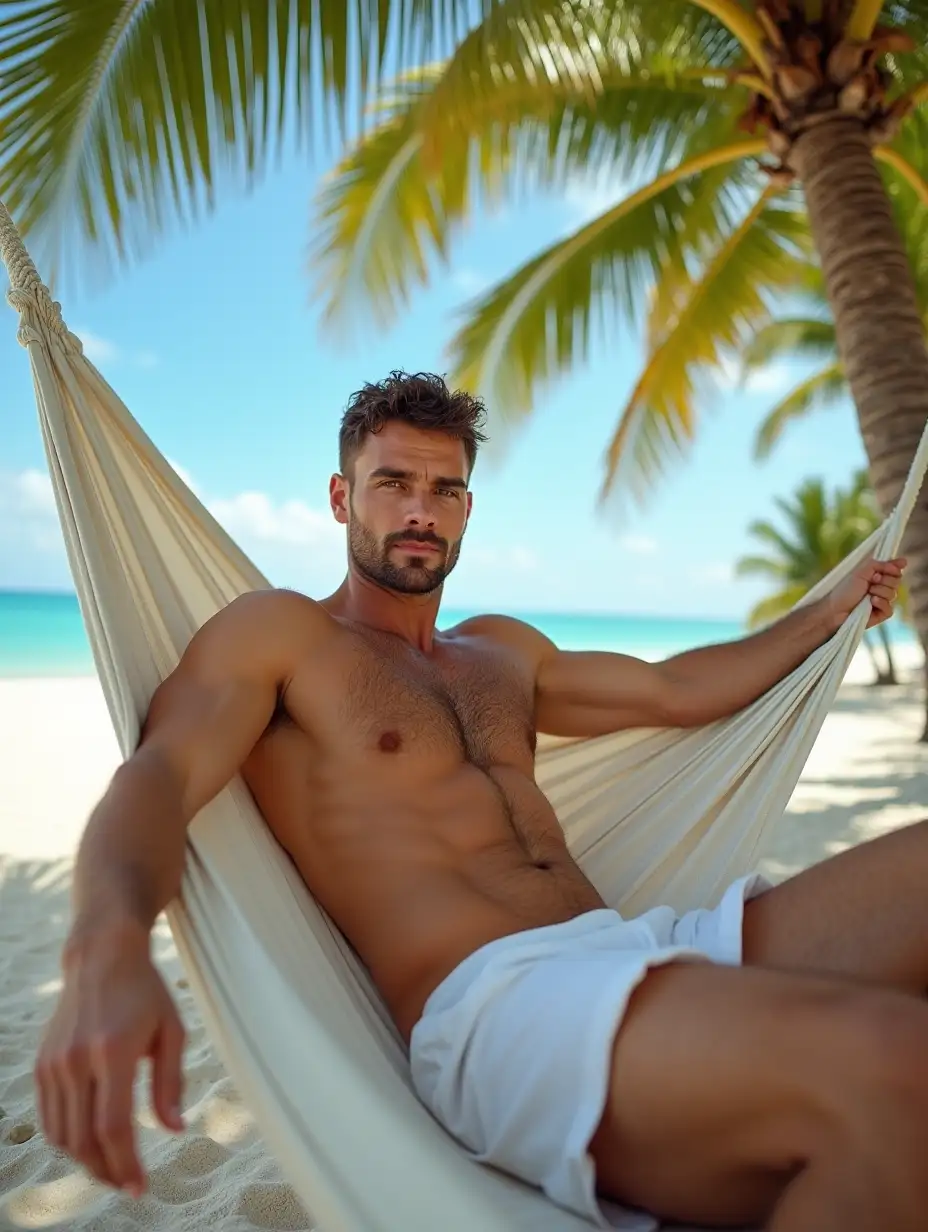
x=274 y=618
x=507 y=631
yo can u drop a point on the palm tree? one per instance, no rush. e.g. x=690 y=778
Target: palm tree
x=758 y=135
x=821 y=530
x=759 y=131
x=810 y=334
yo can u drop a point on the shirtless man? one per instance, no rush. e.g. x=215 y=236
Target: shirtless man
x=765 y=1061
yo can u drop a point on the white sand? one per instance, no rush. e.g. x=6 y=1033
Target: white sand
x=866 y=775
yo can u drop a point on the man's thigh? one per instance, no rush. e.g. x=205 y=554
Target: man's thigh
x=721 y=1080
x=862 y=914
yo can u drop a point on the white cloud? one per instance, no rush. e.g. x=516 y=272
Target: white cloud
x=103 y=351
x=641 y=545
x=98 y=350
x=28 y=515
x=29 y=494
x=184 y=476
x=256 y=515
x=27 y=511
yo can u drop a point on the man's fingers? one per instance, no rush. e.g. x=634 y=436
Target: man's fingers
x=166 y=1077
x=113 y=1117
x=881 y=590
x=76 y=1086
x=51 y=1104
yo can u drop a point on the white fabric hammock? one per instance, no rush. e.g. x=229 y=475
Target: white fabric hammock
x=651 y=816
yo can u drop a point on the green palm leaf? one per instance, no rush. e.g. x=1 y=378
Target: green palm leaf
x=568 y=49
x=766 y=566
x=119 y=118
x=696 y=322
x=790 y=337
x=819 y=530
x=820 y=390
x=387 y=208
x=538 y=322
x=776 y=605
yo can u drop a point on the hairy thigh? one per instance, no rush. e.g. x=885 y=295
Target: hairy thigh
x=718 y=1085
x=862 y=914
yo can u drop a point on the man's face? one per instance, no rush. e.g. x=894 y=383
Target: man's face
x=406 y=506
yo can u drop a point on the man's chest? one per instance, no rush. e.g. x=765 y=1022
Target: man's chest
x=388 y=698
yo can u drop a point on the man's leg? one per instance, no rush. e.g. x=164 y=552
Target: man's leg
x=742 y=1095
x=862 y=914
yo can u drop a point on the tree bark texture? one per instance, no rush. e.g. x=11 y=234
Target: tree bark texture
x=880 y=333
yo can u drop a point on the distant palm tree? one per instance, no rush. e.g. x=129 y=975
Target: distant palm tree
x=820 y=531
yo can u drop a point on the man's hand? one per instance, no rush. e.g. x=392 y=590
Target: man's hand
x=114 y=1010
x=880 y=579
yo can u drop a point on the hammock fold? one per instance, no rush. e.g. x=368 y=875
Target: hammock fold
x=652 y=816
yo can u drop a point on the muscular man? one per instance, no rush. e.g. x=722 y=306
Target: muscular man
x=763 y=1060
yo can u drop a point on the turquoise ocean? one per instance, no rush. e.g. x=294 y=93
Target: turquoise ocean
x=42 y=634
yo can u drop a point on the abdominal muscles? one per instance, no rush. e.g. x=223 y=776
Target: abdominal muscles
x=418 y=869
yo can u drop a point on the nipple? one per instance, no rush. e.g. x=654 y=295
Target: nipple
x=389 y=742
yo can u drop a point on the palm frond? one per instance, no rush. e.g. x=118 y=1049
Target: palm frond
x=379 y=221
x=569 y=49
x=770 y=535
x=821 y=529
x=774 y=606
x=693 y=329
x=765 y=566
x=536 y=323
x=118 y=120
x=387 y=209
x=820 y=390
x=790 y=337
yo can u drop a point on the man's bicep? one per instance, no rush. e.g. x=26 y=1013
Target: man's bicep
x=592 y=692
x=207 y=716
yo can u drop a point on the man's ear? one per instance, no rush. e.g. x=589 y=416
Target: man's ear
x=338 y=498
x=470 y=504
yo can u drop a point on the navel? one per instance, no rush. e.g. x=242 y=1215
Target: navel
x=544 y=865
x=390 y=742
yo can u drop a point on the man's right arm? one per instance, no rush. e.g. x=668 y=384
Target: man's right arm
x=202 y=723
x=114 y=1008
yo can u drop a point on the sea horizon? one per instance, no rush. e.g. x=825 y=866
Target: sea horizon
x=42 y=632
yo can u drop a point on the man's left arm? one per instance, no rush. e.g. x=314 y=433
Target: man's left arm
x=589 y=693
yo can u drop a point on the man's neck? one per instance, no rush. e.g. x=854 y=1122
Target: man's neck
x=411 y=617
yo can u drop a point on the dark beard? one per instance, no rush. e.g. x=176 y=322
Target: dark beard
x=419 y=577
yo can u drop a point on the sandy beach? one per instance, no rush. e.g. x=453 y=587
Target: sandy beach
x=866 y=775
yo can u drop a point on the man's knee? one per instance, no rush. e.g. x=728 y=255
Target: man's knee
x=880 y=1044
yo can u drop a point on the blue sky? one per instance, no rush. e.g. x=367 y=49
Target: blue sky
x=215 y=345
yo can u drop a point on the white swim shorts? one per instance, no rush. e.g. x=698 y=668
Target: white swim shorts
x=513 y=1050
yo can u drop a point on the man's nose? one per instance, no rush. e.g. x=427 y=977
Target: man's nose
x=419 y=513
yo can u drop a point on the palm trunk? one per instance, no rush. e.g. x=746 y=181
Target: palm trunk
x=890 y=677
x=880 y=333
x=875 y=663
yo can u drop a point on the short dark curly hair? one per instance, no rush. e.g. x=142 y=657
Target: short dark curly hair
x=422 y=400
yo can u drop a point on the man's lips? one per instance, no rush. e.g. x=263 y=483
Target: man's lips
x=415 y=546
